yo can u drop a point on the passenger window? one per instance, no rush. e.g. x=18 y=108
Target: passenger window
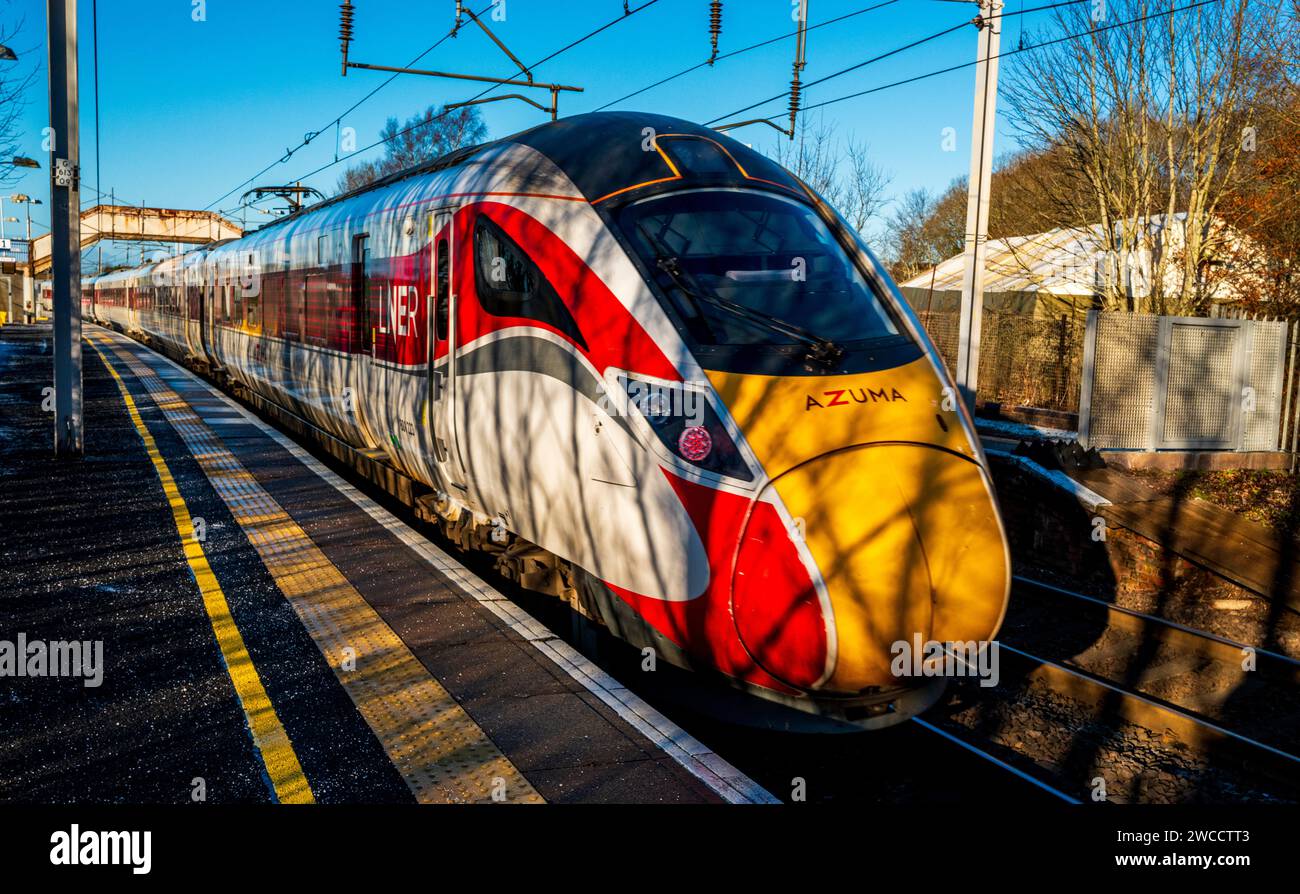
x=509 y=284
x=442 y=294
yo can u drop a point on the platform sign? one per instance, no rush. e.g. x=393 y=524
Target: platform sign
x=14 y=249
x=9 y=260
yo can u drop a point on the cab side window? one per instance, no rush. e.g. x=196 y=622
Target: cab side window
x=509 y=284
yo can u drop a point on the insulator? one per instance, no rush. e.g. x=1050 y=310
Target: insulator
x=715 y=26
x=345 y=23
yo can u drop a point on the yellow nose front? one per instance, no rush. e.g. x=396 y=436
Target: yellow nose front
x=908 y=542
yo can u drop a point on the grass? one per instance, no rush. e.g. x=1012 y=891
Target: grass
x=1267 y=497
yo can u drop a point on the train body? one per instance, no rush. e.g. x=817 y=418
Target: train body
x=649 y=369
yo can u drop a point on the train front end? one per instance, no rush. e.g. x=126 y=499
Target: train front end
x=855 y=550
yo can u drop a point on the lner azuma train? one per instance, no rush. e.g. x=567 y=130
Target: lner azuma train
x=648 y=368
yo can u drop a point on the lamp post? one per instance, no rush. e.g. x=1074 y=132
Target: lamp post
x=21 y=199
x=8 y=55
x=19 y=161
x=28 y=286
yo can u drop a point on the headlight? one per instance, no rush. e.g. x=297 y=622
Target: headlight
x=687 y=425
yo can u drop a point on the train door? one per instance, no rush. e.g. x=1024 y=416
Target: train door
x=208 y=288
x=192 y=307
x=200 y=304
x=441 y=316
x=363 y=333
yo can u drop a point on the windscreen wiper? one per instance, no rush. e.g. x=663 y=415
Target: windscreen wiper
x=823 y=350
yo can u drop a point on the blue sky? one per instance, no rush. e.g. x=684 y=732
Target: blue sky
x=191 y=109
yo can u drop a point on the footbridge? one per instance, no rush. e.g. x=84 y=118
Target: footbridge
x=131 y=223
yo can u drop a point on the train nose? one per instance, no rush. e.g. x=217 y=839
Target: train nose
x=903 y=540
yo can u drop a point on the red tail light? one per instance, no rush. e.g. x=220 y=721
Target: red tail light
x=695 y=443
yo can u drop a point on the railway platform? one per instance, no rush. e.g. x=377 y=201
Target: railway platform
x=200 y=610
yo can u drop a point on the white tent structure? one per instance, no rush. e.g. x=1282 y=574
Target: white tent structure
x=1061 y=271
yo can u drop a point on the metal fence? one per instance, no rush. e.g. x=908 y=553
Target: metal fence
x=1289 y=440
x=1025 y=360
x=1182 y=383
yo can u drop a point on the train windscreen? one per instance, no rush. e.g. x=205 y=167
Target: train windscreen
x=747 y=268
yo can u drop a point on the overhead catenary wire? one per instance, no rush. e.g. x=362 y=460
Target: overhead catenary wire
x=1025 y=49
x=763 y=43
x=628 y=13
x=894 y=52
x=589 y=35
x=338 y=119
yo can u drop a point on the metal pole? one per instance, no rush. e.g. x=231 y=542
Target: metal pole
x=1295 y=418
x=1290 y=389
x=977 y=202
x=65 y=226
x=99 y=196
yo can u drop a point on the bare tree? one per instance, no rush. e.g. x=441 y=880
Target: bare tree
x=16 y=79
x=841 y=171
x=906 y=246
x=925 y=229
x=1146 y=120
x=423 y=137
x=864 y=191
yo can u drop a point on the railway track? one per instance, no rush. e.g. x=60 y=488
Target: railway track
x=1249 y=690
x=997 y=761
x=1109 y=703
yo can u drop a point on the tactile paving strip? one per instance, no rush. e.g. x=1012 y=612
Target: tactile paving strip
x=284 y=772
x=435 y=745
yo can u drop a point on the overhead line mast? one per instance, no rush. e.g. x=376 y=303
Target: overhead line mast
x=971 y=318
x=65 y=226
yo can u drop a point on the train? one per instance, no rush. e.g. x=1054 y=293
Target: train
x=652 y=372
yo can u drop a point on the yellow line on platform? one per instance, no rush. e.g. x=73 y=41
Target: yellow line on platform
x=269 y=735
x=443 y=755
